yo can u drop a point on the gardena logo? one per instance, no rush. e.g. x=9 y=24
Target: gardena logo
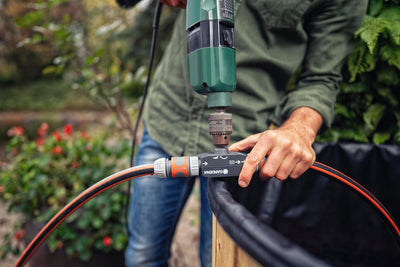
x=215 y=172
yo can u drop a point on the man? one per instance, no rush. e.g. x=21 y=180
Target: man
x=274 y=40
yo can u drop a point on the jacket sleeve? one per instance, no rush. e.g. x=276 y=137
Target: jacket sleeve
x=330 y=27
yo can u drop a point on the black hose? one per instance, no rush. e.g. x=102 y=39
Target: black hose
x=77 y=202
x=134 y=172
x=366 y=195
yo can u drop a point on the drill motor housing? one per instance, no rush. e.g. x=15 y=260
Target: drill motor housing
x=211 y=53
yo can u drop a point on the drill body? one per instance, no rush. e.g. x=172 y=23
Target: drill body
x=212 y=60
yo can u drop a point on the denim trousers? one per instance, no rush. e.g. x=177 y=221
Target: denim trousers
x=155 y=208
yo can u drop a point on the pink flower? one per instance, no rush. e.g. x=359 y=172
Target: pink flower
x=67 y=129
x=16 y=131
x=42 y=131
x=39 y=141
x=107 y=241
x=57 y=135
x=57 y=150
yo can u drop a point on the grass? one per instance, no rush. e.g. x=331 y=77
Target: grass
x=43 y=95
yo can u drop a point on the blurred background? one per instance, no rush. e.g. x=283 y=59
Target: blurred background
x=70 y=69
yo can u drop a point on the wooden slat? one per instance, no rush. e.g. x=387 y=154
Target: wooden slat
x=225 y=251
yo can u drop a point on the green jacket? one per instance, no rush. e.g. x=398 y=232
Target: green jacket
x=274 y=41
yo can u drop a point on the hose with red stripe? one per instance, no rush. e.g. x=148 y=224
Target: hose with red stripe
x=365 y=194
x=76 y=203
x=189 y=166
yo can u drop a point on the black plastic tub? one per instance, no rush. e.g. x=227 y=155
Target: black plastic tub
x=314 y=220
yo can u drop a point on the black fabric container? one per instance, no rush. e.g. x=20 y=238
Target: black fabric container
x=315 y=220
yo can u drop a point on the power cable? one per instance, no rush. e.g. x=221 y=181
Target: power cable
x=156 y=22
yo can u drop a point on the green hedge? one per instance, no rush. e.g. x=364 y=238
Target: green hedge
x=367 y=108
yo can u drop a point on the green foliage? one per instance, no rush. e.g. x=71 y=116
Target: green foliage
x=45 y=174
x=368 y=108
x=43 y=95
x=95 y=71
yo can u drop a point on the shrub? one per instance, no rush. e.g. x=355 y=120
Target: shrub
x=368 y=108
x=45 y=174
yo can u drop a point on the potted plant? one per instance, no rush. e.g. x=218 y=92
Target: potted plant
x=43 y=175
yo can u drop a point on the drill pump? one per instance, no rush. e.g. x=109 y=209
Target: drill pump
x=212 y=60
x=211 y=50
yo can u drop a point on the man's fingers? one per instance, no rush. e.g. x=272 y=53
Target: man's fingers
x=245 y=144
x=254 y=158
x=272 y=164
x=308 y=159
x=288 y=156
x=295 y=164
x=249 y=166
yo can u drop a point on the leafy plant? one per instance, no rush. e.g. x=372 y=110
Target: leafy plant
x=45 y=174
x=368 y=108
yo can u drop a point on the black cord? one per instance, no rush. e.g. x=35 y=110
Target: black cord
x=127 y=3
x=156 y=22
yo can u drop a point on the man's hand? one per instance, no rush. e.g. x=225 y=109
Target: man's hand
x=174 y=3
x=288 y=147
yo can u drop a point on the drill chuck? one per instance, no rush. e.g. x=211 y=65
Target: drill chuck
x=220 y=127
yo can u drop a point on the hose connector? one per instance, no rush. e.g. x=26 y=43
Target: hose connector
x=177 y=167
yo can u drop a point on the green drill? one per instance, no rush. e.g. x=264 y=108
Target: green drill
x=212 y=60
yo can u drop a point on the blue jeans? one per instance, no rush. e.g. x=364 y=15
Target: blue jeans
x=155 y=207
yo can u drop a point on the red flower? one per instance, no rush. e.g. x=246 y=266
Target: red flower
x=19 y=234
x=1 y=188
x=57 y=135
x=107 y=241
x=85 y=136
x=57 y=150
x=67 y=129
x=60 y=244
x=75 y=165
x=16 y=131
x=14 y=151
x=40 y=141
x=42 y=131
